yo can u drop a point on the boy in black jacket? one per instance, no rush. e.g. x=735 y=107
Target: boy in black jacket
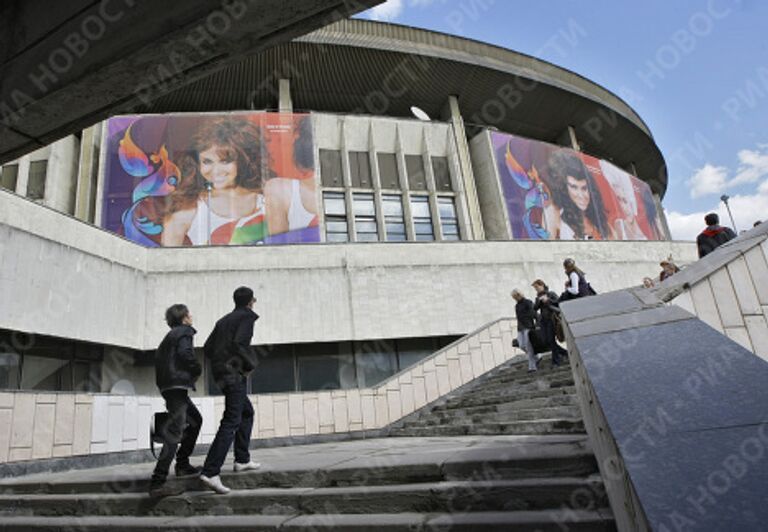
x=229 y=350
x=176 y=370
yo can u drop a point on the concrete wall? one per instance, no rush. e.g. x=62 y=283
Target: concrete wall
x=91 y=285
x=733 y=297
x=48 y=425
x=61 y=277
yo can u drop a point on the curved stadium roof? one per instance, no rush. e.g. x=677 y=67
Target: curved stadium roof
x=360 y=66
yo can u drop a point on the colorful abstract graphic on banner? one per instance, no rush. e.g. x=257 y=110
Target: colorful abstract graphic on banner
x=211 y=179
x=552 y=192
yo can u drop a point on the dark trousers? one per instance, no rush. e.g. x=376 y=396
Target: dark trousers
x=548 y=330
x=180 y=433
x=236 y=424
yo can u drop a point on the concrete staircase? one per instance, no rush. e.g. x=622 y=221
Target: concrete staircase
x=508 y=400
x=505 y=452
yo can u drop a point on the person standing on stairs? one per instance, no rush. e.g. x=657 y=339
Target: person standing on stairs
x=547 y=306
x=176 y=370
x=526 y=322
x=229 y=350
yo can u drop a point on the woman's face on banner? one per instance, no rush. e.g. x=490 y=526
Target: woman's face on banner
x=578 y=191
x=222 y=173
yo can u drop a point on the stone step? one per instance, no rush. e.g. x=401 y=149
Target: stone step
x=481 y=399
x=522 y=404
x=446 y=496
x=544 y=372
x=400 y=462
x=597 y=520
x=524 y=386
x=539 y=426
x=500 y=414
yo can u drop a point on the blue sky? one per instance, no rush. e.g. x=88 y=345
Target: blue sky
x=695 y=71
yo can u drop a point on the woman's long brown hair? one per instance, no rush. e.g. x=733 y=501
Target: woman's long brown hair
x=237 y=139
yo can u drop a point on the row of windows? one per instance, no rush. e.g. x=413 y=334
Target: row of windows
x=334 y=365
x=360 y=171
x=40 y=363
x=9 y=177
x=392 y=218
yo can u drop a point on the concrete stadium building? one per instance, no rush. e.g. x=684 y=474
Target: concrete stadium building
x=418 y=238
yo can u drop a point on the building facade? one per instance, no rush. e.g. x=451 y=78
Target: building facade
x=402 y=234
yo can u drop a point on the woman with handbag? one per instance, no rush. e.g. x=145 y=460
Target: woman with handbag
x=547 y=304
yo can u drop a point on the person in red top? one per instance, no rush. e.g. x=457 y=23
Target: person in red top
x=713 y=236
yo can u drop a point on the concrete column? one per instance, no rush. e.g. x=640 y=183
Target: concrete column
x=402 y=172
x=568 y=139
x=61 y=175
x=285 y=103
x=662 y=216
x=87 y=173
x=452 y=112
x=373 y=161
x=23 y=176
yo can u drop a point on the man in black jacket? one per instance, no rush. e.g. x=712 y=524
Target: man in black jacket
x=229 y=350
x=713 y=236
x=176 y=370
x=526 y=322
x=547 y=303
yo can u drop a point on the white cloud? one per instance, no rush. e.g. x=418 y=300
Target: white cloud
x=710 y=179
x=392 y=9
x=752 y=166
x=746 y=209
x=389 y=10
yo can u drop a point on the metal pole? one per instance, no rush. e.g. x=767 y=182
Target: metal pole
x=725 y=199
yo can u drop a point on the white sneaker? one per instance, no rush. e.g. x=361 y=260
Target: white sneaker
x=250 y=466
x=215 y=484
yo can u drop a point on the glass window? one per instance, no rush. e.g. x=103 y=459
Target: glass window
x=36 y=183
x=448 y=220
x=442 y=174
x=275 y=370
x=365 y=217
x=9 y=176
x=388 y=174
x=394 y=223
x=412 y=350
x=330 y=168
x=360 y=169
x=422 y=219
x=325 y=366
x=10 y=371
x=375 y=360
x=336 y=229
x=417 y=179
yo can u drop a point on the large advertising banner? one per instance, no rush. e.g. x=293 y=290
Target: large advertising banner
x=211 y=179
x=553 y=192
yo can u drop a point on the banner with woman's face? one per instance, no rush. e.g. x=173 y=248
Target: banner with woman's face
x=551 y=192
x=211 y=179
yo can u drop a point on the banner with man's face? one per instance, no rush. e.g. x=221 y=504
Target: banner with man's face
x=551 y=193
x=211 y=179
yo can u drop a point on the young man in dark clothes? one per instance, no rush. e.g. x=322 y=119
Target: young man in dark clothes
x=713 y=236
x=176 y=370
x=229 y=350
